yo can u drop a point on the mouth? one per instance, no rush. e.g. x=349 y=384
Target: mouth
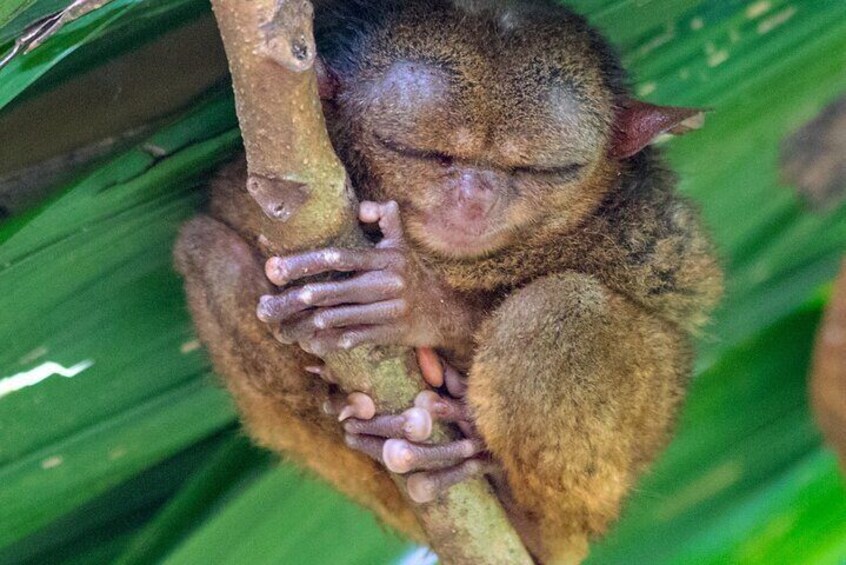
x=460 y=239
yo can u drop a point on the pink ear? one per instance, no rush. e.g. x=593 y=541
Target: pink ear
x=639 y=123
x=327 y=82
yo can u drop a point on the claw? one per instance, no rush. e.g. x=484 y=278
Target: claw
x=430 y=366
x=323 y=372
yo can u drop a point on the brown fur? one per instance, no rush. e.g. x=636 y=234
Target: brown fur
x=586 y=297
x=828 y=376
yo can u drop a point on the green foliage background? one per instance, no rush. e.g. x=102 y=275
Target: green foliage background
x=138 y=458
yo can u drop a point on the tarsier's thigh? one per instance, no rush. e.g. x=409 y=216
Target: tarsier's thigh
x=224 y=280
x=280 y=403
x=574 y=388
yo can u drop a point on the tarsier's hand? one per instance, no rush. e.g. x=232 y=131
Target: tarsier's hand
x=398 y=440
x=383 y=303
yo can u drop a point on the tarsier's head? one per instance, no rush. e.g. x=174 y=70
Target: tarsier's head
x=483 y=120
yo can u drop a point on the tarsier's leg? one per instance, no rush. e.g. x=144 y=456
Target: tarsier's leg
x=573 y=389
x=279 y=401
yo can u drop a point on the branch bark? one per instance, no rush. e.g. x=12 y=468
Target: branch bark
x=302 y=187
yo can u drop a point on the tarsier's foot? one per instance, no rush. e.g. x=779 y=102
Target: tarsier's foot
x=396 y=440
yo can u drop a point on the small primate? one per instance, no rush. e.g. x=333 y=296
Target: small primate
x=533 y=248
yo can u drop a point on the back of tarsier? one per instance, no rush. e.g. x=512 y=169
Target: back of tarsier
x=530 y=245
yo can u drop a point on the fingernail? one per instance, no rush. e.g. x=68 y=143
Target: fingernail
x=430 y=366
x=282 y=338
x=275 y=270
x=427 y=399
x=347 y=412
x=263 y=309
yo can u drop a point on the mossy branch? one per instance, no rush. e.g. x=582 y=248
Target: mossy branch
x=302 y=187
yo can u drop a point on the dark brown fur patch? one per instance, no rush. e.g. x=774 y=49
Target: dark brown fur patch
x=814 y=158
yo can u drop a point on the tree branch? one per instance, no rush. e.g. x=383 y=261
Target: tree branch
x=302 y=187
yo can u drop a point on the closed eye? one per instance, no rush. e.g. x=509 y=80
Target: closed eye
x=422 y=154
x=563 y=172
x=566 y=171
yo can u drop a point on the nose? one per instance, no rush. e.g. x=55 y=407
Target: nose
x=476 y=190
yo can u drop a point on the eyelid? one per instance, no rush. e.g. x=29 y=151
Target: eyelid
x=409 y=152
x=563 y=171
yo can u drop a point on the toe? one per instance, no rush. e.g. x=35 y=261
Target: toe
x=426 y=487
x=402 y=456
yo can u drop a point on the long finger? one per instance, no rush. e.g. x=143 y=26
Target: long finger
x=370 y=287
x=385 y=312
x=282 y=270
x=273 y=309
x=354 y=325
x=300 y=330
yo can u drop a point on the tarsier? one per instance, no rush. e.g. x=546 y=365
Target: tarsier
x=532 y=248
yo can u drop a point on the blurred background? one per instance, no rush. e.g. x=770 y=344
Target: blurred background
x=117 y=445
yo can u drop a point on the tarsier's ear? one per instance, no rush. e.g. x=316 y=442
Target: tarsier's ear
x=639 y=123
x=327 y=82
